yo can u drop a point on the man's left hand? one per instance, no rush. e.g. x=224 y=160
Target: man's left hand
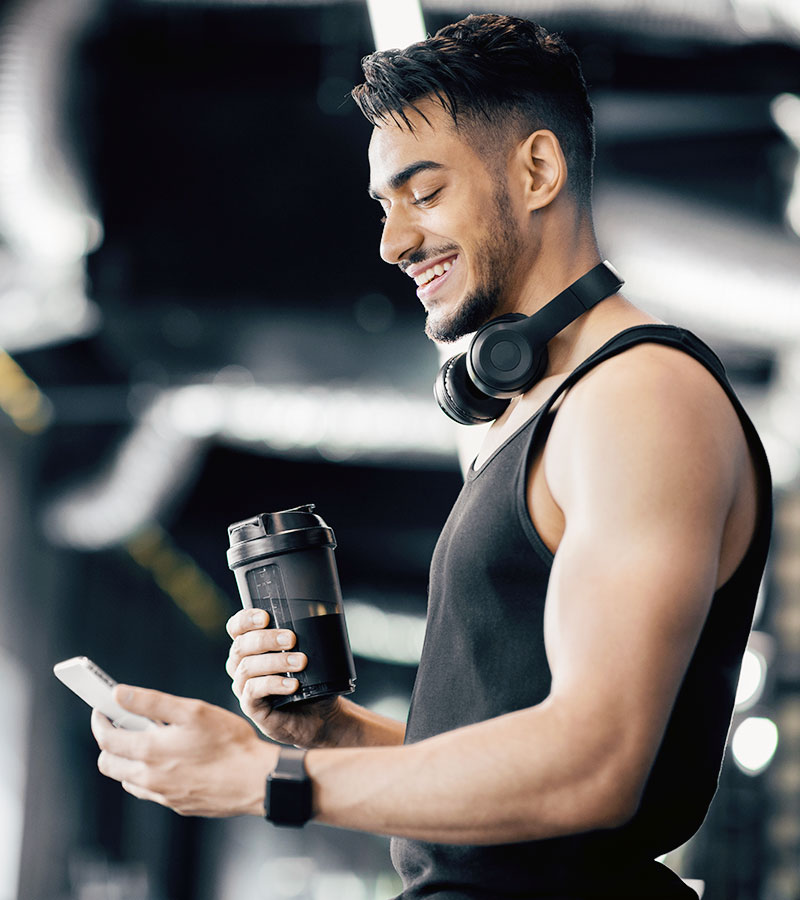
x=203 y=761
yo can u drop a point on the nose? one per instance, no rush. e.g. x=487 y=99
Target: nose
x=400 y=236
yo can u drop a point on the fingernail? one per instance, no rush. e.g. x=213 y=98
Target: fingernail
x=284 y=639
x=294 y=659
x=289 y=682
x=259 y=619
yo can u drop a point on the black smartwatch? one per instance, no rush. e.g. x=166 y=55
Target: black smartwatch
x=288 y=800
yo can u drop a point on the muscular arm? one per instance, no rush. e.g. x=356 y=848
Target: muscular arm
x=646 y=489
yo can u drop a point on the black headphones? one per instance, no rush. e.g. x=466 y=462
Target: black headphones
x=508 y=354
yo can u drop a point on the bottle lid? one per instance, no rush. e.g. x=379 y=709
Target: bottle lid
x=269 y=534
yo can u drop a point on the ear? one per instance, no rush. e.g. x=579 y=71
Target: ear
x=543 y=168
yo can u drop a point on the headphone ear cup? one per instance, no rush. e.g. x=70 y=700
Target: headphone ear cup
x=503 y=361
x=458 y=397
x=539 y=367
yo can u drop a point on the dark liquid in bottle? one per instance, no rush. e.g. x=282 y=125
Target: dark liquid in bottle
x=330 y=668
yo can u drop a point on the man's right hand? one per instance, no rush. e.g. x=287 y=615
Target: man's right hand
x=258 y=662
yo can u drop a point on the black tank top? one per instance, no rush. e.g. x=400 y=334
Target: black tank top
x=488 y=582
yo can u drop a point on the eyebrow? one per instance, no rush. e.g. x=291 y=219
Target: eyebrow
x=405 y=175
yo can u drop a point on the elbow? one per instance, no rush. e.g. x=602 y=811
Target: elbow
x=606 y=791
x=587 y=805
x=597 y=801
x=615 y=776
x=618 y=811
x=617 y=800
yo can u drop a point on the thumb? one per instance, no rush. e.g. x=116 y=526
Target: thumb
x=155 y=704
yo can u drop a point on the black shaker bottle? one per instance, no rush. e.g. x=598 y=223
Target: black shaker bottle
x=284 y=563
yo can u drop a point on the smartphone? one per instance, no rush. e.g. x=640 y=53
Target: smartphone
x=92 y=684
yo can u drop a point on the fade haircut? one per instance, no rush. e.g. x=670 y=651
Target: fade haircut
x=499 y=78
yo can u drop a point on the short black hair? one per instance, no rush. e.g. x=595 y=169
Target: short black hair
x=501 y=73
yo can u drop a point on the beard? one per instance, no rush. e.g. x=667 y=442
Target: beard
x=502 y=245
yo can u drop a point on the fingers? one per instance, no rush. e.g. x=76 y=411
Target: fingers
x=252 y=694
x=123 y=754
x=246 y=620
x=121 y=769
x=156 y=705
x=118 y=741
x=260 y=660
x=255 y=643
x=144 y=794
x=256 y=677
x=134 y=775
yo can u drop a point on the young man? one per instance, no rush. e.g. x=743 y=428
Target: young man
x=593 y=588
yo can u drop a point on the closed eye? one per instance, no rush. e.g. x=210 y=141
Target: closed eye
x=417 y=201
x=421 y=201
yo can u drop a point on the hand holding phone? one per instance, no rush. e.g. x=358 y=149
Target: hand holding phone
x=94 y=686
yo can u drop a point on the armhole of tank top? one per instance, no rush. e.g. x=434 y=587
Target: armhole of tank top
x=762 y=529
x=694 y=347
x=544 y=415
x=759 y=540
x=521 y=489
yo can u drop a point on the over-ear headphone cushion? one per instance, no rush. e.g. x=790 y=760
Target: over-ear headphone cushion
x=458 y=397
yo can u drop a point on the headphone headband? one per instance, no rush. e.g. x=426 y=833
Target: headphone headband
x=598 y=283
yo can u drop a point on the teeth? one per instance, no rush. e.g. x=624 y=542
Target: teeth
x=430 y=274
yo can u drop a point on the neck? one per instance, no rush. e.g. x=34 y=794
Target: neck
x=590 y=331
x=565 y=249
x=560 y=262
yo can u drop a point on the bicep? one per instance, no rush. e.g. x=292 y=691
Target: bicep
x=645 y=493
x=620 y=627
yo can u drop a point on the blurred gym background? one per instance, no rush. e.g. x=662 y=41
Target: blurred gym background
x=195 y=327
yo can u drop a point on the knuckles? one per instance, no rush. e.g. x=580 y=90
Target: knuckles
x=241 y=623
x=243 y=669
x=249 y=691
x=252 y=643
x=247 y=646
x=197 y=711
x=233 y=625
x=238 y=623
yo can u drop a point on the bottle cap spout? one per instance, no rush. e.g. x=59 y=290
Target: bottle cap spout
x=269 y=534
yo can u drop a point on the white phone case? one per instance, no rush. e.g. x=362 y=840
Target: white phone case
x=92 y=684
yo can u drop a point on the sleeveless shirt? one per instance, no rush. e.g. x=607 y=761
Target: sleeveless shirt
x=488 y=581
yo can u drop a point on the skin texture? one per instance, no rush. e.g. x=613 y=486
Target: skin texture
x=646 y=453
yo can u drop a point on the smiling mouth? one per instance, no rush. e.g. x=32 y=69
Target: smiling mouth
x=434 y=272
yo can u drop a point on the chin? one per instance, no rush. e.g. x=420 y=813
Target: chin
x=475 y=310
x=443 y=330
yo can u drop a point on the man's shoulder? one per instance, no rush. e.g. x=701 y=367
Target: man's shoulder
x=649 y=411
x=648 y=378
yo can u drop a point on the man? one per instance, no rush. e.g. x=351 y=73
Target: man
x=592 y=591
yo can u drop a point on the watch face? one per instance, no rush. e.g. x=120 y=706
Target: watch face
x=288 y=800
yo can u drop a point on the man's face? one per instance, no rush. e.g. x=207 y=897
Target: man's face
x=449 y=222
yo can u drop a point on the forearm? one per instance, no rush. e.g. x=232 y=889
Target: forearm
x=356 y=726
x=519 y=777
